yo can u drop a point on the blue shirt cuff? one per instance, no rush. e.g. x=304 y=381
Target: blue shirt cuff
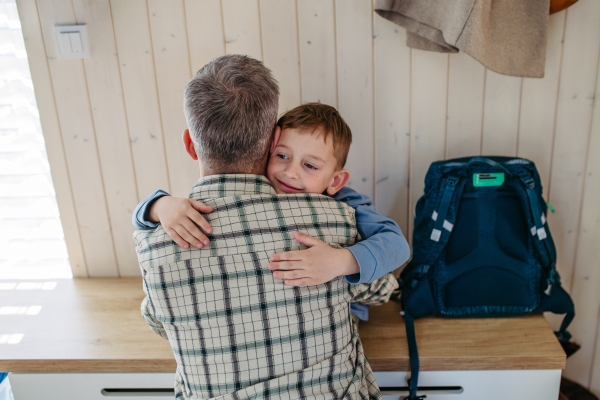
x=366 y=262
x=141 y=218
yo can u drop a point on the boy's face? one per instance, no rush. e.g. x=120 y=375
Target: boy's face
x=305 y=163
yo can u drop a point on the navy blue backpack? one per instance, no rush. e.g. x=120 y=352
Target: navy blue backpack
x=481 y=248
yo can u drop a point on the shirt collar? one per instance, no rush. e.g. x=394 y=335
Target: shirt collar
x=225 y=185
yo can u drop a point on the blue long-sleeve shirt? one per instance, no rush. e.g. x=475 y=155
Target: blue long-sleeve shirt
x=383 y=249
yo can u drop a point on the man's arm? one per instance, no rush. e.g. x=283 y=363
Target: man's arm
x=383 y=249
x=377 y=292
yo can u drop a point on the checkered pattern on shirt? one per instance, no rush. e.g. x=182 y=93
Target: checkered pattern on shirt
x=235 y=331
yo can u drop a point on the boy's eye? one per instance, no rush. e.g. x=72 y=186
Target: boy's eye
x=310 y=166
x=282 y=156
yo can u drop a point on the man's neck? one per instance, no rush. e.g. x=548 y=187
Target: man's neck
x=259 y=170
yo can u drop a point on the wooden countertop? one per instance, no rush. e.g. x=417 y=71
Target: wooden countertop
x=95 y=325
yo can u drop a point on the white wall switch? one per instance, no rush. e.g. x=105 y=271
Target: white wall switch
x=71 y=41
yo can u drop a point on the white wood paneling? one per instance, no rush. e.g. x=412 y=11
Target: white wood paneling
x=586 y=274
x=573 y=118
x=392 y=120
x=204 y=21
x=108 y=112
x=44 y=93
x=587 y=266
x=354 y=33
x=280 y=48
x=466 y=82
x=538 y=105
x=172 y=63
x=429 y=84
x=501 y=114
x=241 y=20
x=584 y=366
x=136 y=63
x=318 y=70
x=79 y=139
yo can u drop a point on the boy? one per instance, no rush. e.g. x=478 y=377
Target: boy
x=307 y=156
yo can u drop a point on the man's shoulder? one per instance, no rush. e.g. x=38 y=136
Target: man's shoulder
x=281 y=209
x=257 y=222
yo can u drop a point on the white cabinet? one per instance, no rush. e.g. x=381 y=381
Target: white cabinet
x=475 y=385
x=441 y=385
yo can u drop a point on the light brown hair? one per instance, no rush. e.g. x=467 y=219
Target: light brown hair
x=316 y=115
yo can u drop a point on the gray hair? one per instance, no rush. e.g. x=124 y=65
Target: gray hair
x=231 y=110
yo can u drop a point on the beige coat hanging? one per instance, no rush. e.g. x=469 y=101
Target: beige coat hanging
x=506 y=36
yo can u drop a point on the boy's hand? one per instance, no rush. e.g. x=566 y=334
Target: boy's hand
x=179 y=218
x=318 y=264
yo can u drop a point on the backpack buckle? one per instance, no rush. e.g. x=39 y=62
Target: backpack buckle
x=548 y=290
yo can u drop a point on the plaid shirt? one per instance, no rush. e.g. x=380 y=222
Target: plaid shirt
x=236 y=332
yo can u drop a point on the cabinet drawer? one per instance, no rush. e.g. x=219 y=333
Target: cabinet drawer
x=474 y=385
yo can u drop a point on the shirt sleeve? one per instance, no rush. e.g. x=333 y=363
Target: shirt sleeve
x=383 y=249
x=376 y=292
x=140 y=218
x=153 y=323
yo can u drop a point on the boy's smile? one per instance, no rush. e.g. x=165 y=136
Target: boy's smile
x=304 y=162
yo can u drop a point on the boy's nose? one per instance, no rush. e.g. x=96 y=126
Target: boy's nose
x=292 y=172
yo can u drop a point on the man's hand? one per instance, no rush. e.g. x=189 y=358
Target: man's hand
x=318 y=264
x=180 y=218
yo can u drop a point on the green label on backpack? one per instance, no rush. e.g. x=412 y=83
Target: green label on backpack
x=493 y=179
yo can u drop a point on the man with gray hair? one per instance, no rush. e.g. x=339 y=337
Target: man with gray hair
x=236 y=332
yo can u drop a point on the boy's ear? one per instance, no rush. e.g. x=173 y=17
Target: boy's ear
x=275 y=140
x=339 y=181
x=189 y=145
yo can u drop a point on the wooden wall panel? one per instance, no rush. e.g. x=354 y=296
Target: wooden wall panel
x=538 y=105
x=172 y=63
x=316 y=33
x=466 y=82
x=138 y=77
x=79 y=139
x=586 y=273
x=429 y=84
x=241 y=21
x=587 y=265
x=354 y=33
x=204 y=21
x=392 y=120
x=501 y=115
x=573 y=118
x=584 y=366
x=44 y=94
x=110 y=123
x=279 y=29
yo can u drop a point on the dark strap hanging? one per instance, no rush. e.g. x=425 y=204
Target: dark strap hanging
x=413 y=353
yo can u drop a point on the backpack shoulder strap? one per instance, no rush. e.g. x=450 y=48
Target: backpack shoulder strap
x=413 y=353
x=540 y=232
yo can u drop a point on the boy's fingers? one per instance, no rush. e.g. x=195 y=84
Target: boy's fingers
x=184 y=232
x=200 y=206
x=288 y=255
x=201 y=222
x=286 y=265
x=195 y=232
x=299 y=282
x=306 y=240
x=176 y=238
x=295 y=274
